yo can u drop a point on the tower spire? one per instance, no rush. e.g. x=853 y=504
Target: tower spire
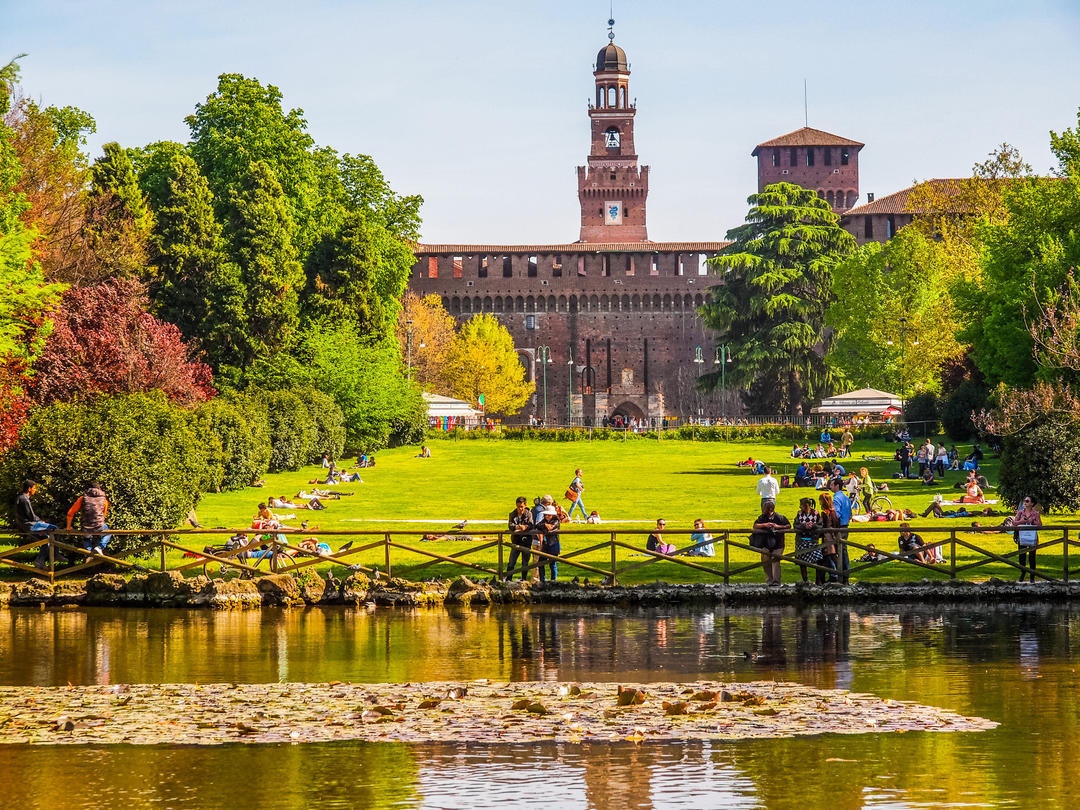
x=611 y=21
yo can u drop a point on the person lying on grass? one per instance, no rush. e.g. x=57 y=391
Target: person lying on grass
x=284 y=503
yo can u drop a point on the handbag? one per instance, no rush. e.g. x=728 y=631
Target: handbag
x=1027 y=537
x=571 y=494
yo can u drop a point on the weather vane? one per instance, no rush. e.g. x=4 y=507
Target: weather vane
x=611 y=22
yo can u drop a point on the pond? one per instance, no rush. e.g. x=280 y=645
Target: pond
x=1014 y=665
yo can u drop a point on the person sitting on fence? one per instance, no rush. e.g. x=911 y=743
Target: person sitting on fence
x=29 y=524
x=656 y=543
x=702 y=539
x=594 y=517
x=911 y=545
x=93 y=509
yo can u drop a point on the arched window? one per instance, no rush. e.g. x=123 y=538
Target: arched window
x=541 y=303
x=488 y=304
x=667 y=302
x=605 y=304
x=551 y=303
x=455 y=306
x=610 y=96
x=561 y=306
x=499 y=303
x=466 y=304
x=594 y=303
x=635 y=303
x=699 y=301
x=625 y=303
x=519 y=304
x=657 y=302
x=530 y=304
x=446 y=303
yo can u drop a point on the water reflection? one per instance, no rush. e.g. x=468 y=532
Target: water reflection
x=1014 y=665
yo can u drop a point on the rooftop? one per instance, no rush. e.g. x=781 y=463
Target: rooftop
x=577 y=247
x=808 y=136
x=898 y=201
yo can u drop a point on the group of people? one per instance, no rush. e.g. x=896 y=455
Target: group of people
x=91 y=509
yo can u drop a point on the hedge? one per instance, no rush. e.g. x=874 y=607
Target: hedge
x=241 y=440
x=145 y=451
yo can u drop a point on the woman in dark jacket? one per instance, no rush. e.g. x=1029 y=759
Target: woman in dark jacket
x=830 y=525
x=549 y=526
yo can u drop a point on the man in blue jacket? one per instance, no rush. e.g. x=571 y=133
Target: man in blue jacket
x=842 y=505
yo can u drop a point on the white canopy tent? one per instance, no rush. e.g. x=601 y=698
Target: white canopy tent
x=864 y=401
x=439 y=407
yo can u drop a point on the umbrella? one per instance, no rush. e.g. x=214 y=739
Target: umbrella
x=892 y=410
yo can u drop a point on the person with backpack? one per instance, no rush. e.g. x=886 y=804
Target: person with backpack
x=92 y=507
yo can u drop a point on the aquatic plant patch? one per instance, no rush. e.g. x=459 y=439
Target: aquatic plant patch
x=478 y=711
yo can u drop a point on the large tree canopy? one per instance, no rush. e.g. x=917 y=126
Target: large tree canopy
x=482 y=362
x=775 y=287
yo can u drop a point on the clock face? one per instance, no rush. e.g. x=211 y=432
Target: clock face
x=611 y=138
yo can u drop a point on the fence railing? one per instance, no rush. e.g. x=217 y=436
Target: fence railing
x=614 y=553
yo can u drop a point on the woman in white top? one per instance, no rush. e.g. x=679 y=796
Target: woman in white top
x=942 y=459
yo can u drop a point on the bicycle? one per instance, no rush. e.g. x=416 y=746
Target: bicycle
x=278 y=554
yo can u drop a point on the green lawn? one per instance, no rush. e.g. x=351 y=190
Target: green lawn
x=630 y=483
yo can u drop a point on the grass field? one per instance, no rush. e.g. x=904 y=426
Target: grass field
x=630 y=483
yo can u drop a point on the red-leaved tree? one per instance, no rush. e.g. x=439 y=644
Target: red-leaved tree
x=105 y=342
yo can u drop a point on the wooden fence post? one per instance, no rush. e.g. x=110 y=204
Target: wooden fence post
x=52 y=561
x=500 y=566
x=726 y=561
x=386 y=546
x=1065 y=554
x=613 y=564
x=161 y=551
x=952 y=553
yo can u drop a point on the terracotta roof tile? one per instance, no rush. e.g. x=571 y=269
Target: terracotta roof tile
x=808 y=136
x=422 y=249
x=897 y=202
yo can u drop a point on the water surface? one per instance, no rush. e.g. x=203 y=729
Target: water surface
x=1013 y=665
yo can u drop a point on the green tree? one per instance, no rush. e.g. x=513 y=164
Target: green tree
x=907 y=277
x=259 y=228
x=482 y=360
x=195 y=286
x=770 y=306
x=117 y=221
x=1025 y=259
x=242 y=123
x=343 y=271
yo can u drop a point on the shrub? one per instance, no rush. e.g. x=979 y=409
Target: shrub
x=957 y=408
x=240 y=442
x=922 y=414
x=1043 y=460
x=328 y=422
x=292 y=432
x=145 y=451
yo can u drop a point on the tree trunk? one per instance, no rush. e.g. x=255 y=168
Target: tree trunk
x=795 y=395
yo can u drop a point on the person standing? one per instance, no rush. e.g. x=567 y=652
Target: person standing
x=92 y=508
x=842 y=507
x=768 y=488
x=549 y=529
x=866 y=489
x=942 y=458
x=806 y=524
x=903 y=455
x=1025 y=523
x=520 y=525
x=576 y=488
x=829 y=524
x=845 y=443
x=768 y=536
x=922 y=460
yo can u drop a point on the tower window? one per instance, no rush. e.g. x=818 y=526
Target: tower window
x=845 y=155
x=508 y=267
x=793 y=157
x=827 y=151
x=775 y=157
x=483 y=271
x=810 y=156
x=532 y=267
x=612 y=177
x=868 y=227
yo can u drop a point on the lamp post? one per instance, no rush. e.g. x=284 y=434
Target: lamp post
x=722 y=358
x=699 y=358
x=543 y=356
x=408 y=347
x=570 y=387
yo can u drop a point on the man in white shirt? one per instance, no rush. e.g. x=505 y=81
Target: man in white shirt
x=768 y=488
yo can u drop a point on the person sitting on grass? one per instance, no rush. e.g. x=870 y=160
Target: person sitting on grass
x=911 y=545
x=928 y=476
x=425 y=452
x=975 y=476
x=972 y=493
x=702 y=539
x=871 y=555
x=594 y=517
x=655 y=542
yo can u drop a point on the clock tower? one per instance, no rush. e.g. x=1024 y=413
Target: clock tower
x=612 y=189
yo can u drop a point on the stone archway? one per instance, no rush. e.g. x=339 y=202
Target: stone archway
x=627 y=410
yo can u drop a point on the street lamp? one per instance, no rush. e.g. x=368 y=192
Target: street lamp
x=543 y=356
x=722 y=358
x=570 y=388
x=408 y=347
x=699 y=358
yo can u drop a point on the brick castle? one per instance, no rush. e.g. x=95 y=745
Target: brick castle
x=613 y=314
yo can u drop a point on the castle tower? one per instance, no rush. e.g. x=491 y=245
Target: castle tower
x=612 y=189
x=820 y=161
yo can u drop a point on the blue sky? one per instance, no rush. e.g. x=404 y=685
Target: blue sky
x=481 y=106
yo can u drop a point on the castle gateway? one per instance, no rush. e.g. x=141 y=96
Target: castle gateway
x=606 y=326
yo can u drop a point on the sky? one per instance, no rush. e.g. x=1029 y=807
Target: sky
x=480 y=107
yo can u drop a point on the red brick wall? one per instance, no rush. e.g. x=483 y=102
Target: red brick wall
x=842 y=181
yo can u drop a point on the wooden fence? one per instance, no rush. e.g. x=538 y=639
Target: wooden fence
x=281 y=552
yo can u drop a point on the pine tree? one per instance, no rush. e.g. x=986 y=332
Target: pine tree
x=775 y=289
